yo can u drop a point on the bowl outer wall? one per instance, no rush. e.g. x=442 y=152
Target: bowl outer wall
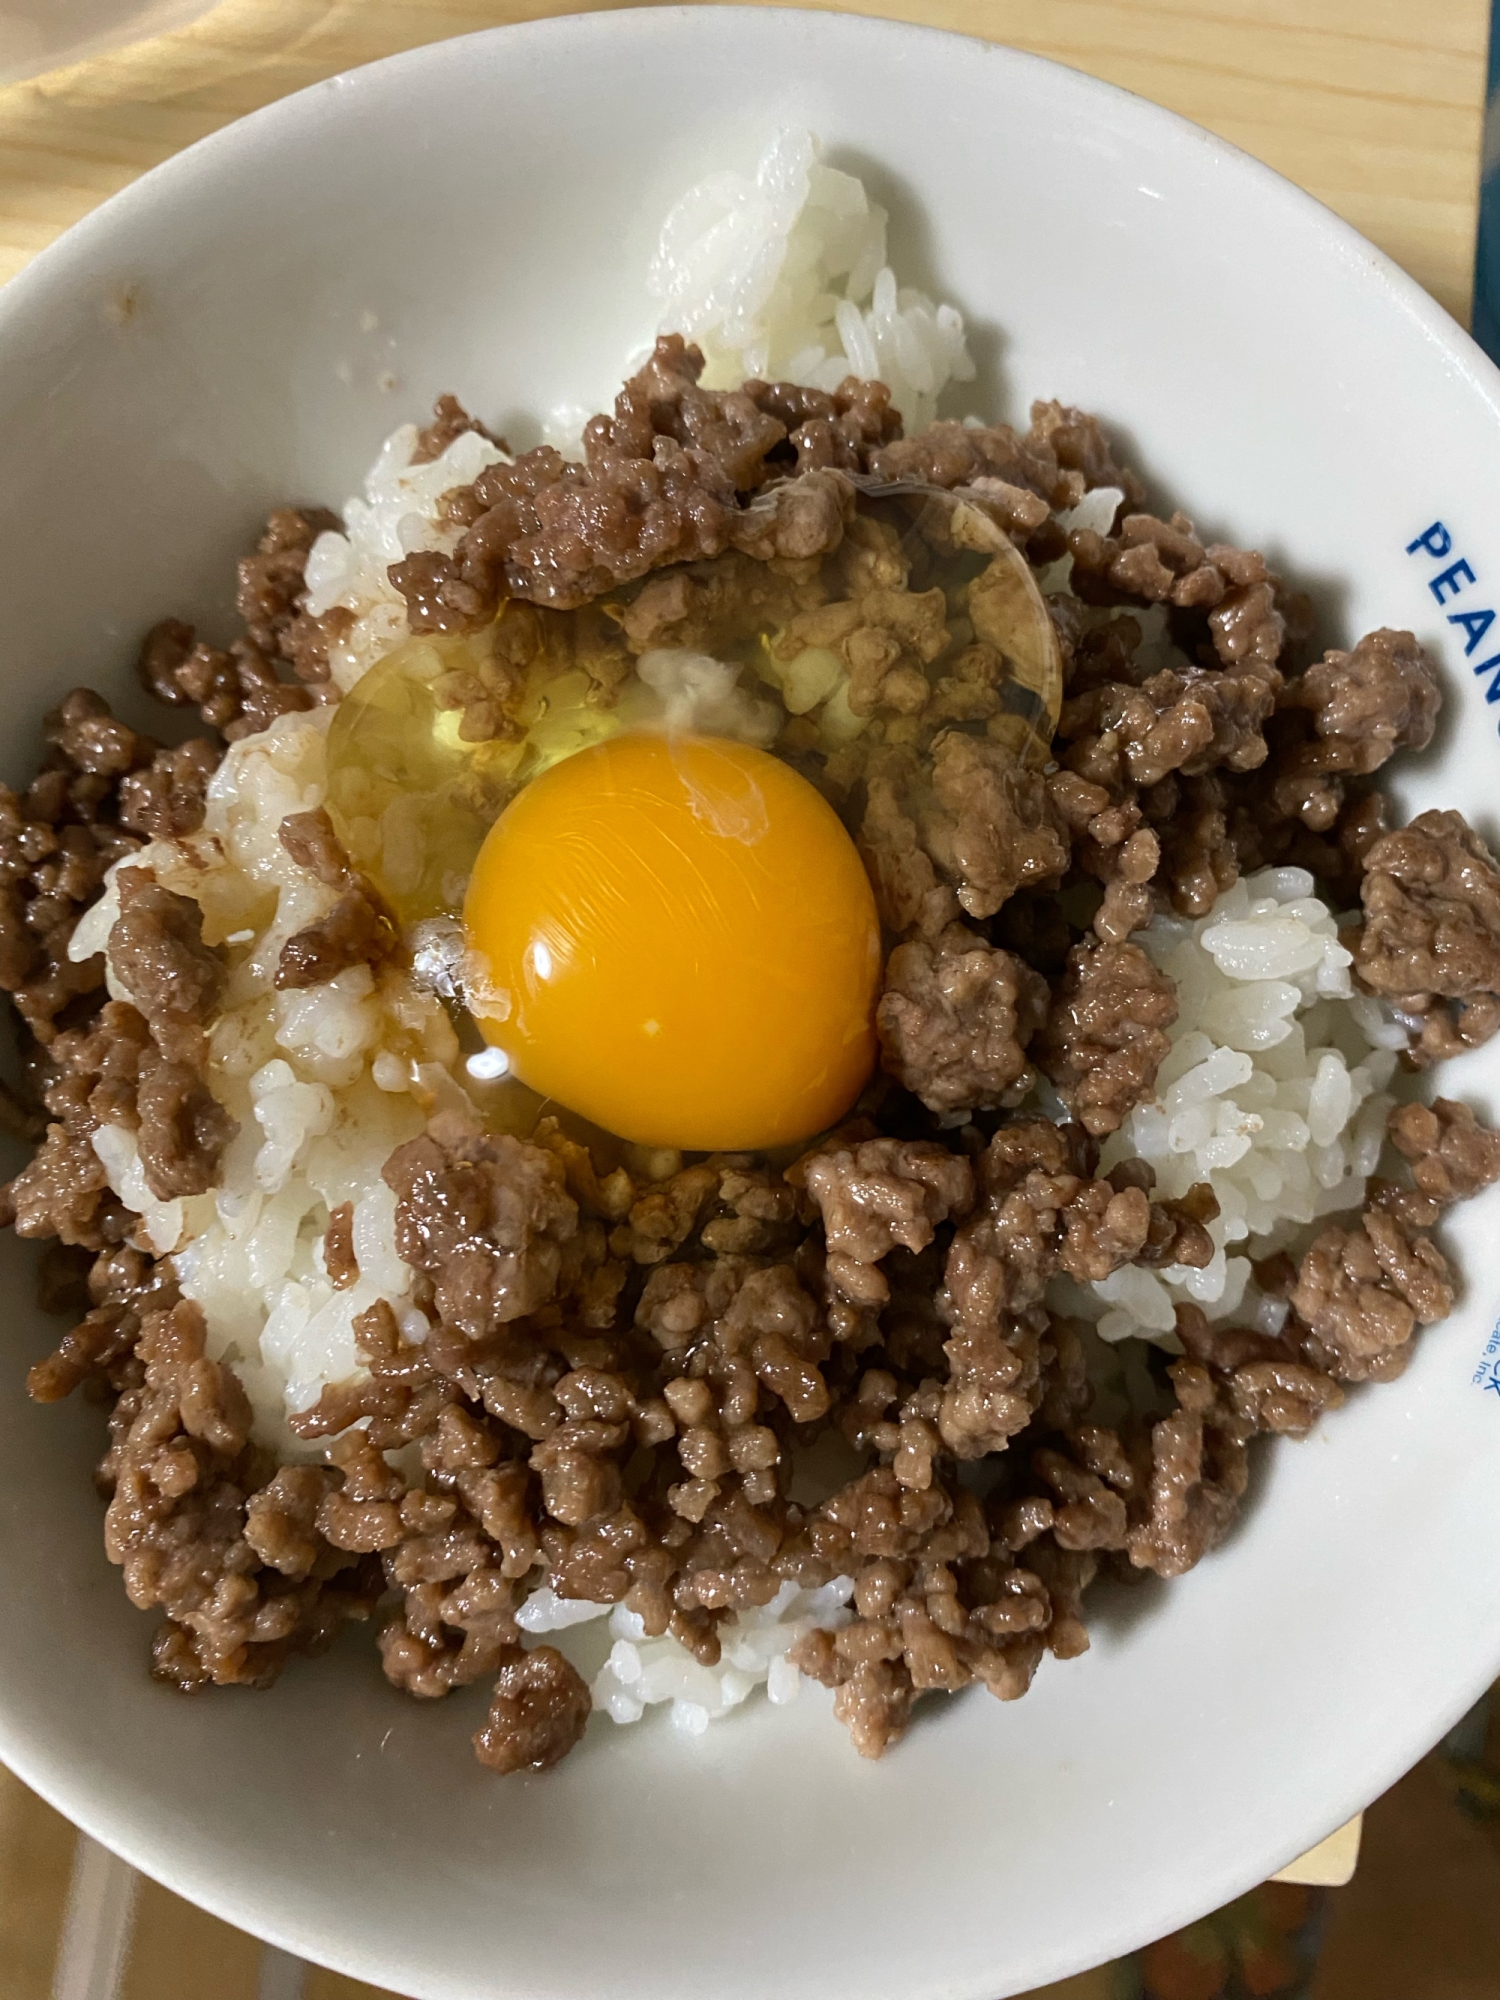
x=477 y=216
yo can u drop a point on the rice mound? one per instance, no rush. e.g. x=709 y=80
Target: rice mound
x=1274 y=1093
x=641 y=1672
x=783 y=276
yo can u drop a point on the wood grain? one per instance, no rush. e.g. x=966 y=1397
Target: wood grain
x=1374 y=106
x=36 y=1853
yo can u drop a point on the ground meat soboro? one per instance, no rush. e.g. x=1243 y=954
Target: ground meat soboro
x=1452 y=1155
x=538 y=1712
x=89 y=807
x=1362 y=1292
x=358 y=930
x=179 y=1472
x=1365 y=705
x=1431 y=935
x=157 y=953
x=955 y=1019
x=486 y=1217
x=619 y=1374
x=1105 y=1036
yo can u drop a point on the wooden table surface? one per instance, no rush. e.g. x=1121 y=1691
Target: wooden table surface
x=1374 y=106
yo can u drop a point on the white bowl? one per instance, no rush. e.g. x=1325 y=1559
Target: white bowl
x=202 y=348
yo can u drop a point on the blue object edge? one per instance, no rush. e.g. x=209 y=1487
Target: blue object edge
x=1486 y=317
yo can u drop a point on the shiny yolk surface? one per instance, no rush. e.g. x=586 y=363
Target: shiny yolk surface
x=675 y=938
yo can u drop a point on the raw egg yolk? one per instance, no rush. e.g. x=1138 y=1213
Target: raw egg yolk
x=675 y=937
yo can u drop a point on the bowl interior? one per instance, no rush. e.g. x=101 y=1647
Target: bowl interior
x=240 y=330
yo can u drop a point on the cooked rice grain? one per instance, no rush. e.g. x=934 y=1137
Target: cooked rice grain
x=782 y=275
x=1273 y=1094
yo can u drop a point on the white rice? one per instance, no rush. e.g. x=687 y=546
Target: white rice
x=640 y=1673
x=783 y=275
x=323 y=1083
x=397 y=515
x=1274 y=1093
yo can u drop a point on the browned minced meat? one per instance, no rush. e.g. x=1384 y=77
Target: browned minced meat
x=157 y=953
x=1244 y=760
x=89 y=1065
x=270 y=580
x=63 y=1192
x=659 y=484
x=1106 y=1036
x=829 y=429
x=166 y=799
x=581 y=1324
x=240 y=1591
x=875 y=1193
x=1335 y=851
x=1267 y=1378
x=310 y=839
x=1157 y=562
x=670 y=476
x=487 y=1217
x=183 y=1129
x=103 y=789
x=450 y=420
x=241 y=688
x=951 y=1591
x=1196 y=1478
x=1177 y=1232
x=1046 y=1212
x=1452 y=1155
x=1366 y=704
x=113 y=1072
x=206 y=1529
x=958 y=834
x=537 y=1714
x=993 y=833
x=940 y=1601
x=1431 y=935
x=1111 y=844
x=357 y=930
x=618 y=1376
x=1190 y=722
x=236 y=692
x=1362 y=1292
x=528 y=1436
x=1161 y=1494
x=955 y=1019
x=1334 y=725
x=339 y=1259
x=1064 y=453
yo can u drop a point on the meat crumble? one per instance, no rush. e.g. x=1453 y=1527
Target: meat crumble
x=619 y=1371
